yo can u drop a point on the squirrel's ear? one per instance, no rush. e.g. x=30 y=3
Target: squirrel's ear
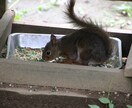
x=53 y=39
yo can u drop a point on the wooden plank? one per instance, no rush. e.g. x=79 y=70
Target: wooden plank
x=5 y=27
x=61 y=28
x=50 y=28
x=64 y=75
x=2 y=7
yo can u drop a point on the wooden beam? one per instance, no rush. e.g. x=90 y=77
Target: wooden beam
x=64 y=75
x=128 y=69
x=26 y=28
x=5 y=27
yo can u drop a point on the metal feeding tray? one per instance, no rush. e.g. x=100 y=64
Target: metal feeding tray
x=38 y=41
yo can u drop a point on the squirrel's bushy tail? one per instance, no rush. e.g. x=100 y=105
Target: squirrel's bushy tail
x=89 y=25
x=75 y=19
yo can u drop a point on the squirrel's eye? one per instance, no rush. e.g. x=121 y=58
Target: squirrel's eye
x=48 y=53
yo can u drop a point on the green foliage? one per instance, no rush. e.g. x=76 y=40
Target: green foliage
x=24 y=11
x=93 y=106
x=125 y=8
x=45 y=7
x=17 y=17
x=19 y=14
x=55 y=2
x=40 y=8
x=111 y=105
x=104 y=100
x=129 y=106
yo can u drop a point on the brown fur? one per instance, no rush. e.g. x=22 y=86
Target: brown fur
x=90 y=43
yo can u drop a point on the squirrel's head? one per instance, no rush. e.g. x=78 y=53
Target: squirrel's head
x=51 y=51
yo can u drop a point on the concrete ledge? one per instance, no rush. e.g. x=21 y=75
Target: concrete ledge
x=63 y=75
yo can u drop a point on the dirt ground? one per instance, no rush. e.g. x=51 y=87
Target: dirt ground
x=44 y=12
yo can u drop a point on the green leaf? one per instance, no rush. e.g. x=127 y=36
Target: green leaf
x=17 y=17
x=93 y=106
x=40 y=8
x=104 y=100
x=24 y=11
x=111 y=105
x=129 y=106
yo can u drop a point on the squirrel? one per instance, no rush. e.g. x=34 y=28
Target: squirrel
x=89 y=44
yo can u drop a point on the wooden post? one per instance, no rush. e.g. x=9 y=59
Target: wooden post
x=5 y=27
x=128 y=69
